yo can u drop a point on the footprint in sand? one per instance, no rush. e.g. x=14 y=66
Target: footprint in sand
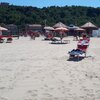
x=2 y=98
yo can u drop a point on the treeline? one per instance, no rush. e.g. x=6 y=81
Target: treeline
x=21 y=15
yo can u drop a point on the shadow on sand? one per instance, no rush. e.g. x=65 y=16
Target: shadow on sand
x=75 y=59
x=58 y=43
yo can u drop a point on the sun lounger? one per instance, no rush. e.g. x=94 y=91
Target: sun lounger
x=76 y=53
x=9 y=40
x=67 y=41
x=81 y=49
x=47 y=38
x=58 y=41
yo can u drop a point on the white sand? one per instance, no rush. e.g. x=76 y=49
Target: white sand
x=38 y=70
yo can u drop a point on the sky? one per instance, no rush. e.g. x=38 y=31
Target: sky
x=48 y=3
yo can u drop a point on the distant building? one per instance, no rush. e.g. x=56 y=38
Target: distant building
x=96 y=33
x=33 y=27
x=13 y=29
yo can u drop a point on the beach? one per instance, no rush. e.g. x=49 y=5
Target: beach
x=39 y=70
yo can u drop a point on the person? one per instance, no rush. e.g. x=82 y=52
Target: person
x=75 y=37
x=84 y=41
x=84 y=35
x=79 y=34
x=33 y=35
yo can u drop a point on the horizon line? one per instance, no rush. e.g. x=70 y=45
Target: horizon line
x=11 y=4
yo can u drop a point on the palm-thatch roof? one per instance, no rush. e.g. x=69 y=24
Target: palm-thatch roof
x=89 y=25
x=60 y=24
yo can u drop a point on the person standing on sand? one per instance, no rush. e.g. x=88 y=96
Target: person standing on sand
x=75 y=36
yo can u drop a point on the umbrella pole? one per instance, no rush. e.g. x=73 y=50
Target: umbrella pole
x=61 y=39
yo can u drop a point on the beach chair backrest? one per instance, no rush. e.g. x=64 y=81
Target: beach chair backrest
x=82 y=47
x=83 y=44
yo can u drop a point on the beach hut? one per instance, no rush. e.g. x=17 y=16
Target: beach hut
x=13 y=30
x=33 y=27
x=96 y=33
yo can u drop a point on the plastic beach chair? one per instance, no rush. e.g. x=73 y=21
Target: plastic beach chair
x=81 y=49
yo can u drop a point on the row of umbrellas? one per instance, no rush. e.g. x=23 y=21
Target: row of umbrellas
x=62 y=27
x=58 y=26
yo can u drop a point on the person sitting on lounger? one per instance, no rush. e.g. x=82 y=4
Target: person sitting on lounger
x=84 y=40
x=81 y=47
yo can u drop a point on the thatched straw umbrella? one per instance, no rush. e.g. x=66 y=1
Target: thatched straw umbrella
x=89 y=27
x=61 y=31
x=60 y=24
x=79 y=29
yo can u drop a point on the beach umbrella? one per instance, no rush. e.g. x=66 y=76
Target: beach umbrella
x=72 y=27
x=63 y=29
x=48 y=28
x=3 y=29
x=80 y=29
x=60 y=24
x=89 y=27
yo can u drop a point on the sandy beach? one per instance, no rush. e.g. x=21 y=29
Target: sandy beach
x=39 y=70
